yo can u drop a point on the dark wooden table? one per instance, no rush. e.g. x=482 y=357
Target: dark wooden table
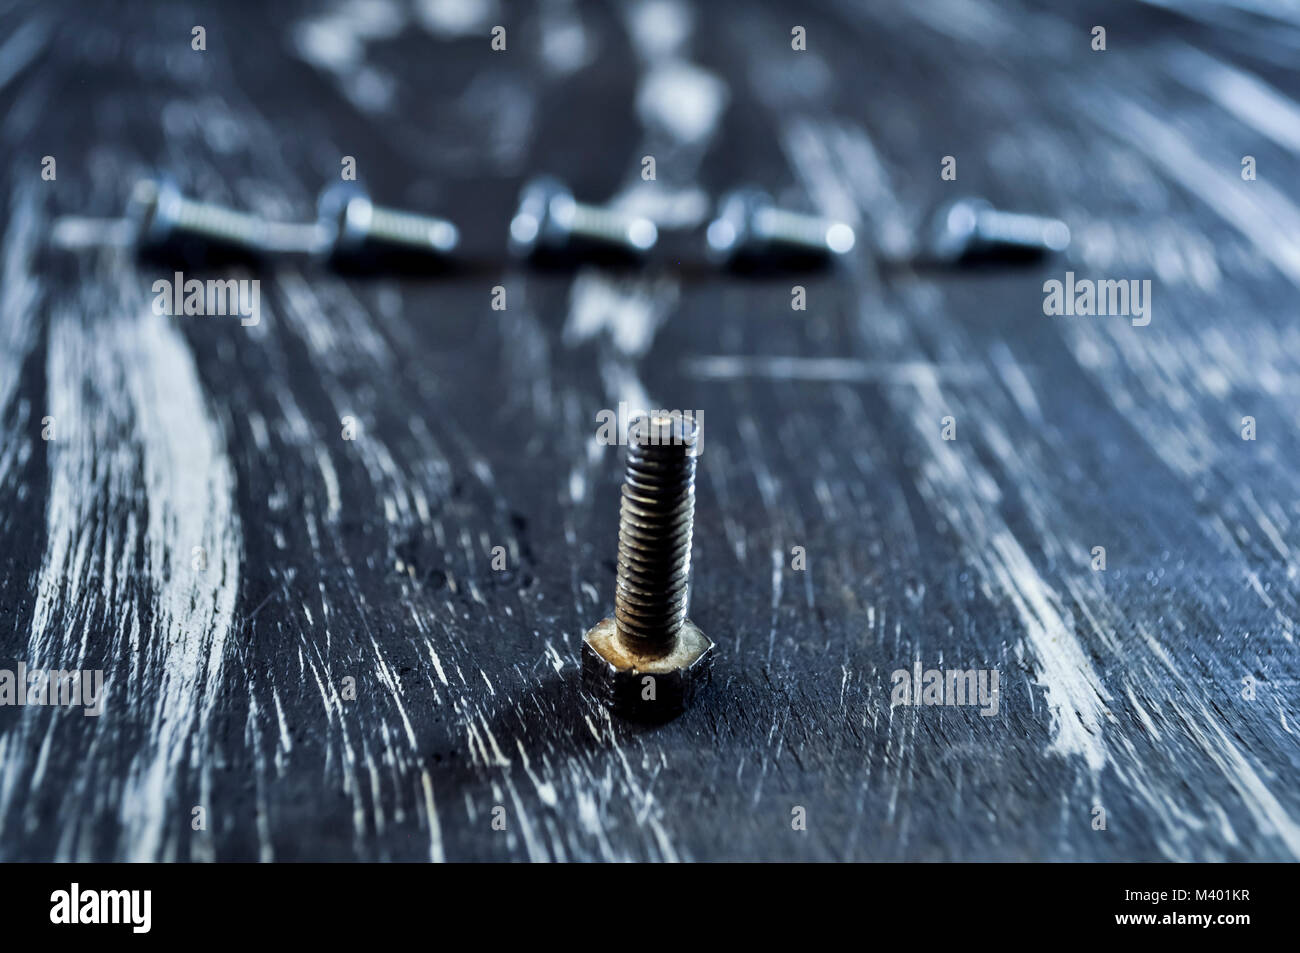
x=339 y=672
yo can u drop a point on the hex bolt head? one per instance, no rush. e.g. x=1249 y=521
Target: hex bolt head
x=618 y=679
x=549 y=221
x=972 y=227
x=649 y=661
x=749 y=225
x=352 y=226
x=151 y=210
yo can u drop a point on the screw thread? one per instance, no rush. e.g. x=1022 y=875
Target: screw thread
x=656 y=520
x=1012 y=229
x=600 y=224
x=218 y=223
x=410 y=229
x=795 y=229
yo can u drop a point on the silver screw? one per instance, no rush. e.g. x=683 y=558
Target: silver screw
x=551 y=221
x=352 y=225
x=163 y=216
x=749 y=225
x=973 y=227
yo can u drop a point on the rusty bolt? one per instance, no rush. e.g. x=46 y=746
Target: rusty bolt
x=649 y=661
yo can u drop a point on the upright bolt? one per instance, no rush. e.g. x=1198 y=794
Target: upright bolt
x=163 y=218
x=353 y=226
x=749 y=225
x=551 y=221
x=971 y=227
x=649 y=661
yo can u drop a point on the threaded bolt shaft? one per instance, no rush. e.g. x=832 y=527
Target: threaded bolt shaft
x=411 y=230
x=800 y=231
x=218 y=223
x=606 y=226
x=551 y=220
x=656 y=520
x=995 y=228
x=748 y=224
x=163 y=214
x=973 y=226
x=353 y=225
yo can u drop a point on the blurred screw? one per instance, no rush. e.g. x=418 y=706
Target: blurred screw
x=164 y=217
x=749 y=225
x=973 y=227
x=649 y=639
x=352 y=225
x=550 y=220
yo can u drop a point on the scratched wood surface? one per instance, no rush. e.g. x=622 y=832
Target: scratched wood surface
x=371 y=559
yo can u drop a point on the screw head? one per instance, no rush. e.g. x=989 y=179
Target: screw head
x=731 y=234
x=153 y=209
x=954 y=227
x=640 y=687
x=344 y=211
x=544 y=218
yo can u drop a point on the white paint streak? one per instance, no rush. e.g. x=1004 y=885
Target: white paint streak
x=141 y=443
x=682 y=101
x=629 y=312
